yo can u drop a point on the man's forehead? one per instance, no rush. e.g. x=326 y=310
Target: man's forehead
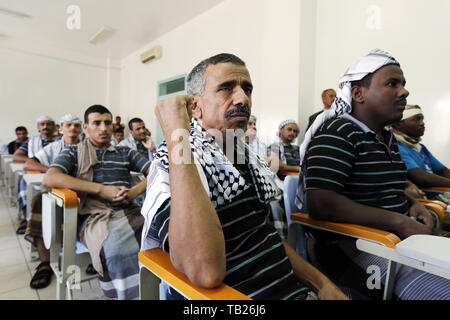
x=416 y=117
x=136 y=125
x=391 y=70
x=46 y=122
x=291 y=125
x=222 y=72
x=69 y=123
x=99 y=116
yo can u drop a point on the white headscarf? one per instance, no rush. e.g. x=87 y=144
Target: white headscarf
x=285 y=123
x=69 y=118
x=364 y=66
x=412 y=142
x=44 y=118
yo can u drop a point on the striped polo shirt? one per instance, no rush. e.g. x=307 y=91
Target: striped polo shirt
x=113 y=167
x=257 y=264
x=347 y=157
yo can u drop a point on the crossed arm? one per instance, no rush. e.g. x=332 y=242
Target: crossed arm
x=20 y=156
x=34 y=165
x=55 y=178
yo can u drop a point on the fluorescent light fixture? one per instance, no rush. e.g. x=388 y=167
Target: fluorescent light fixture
x=101 y=34
x=15 y=14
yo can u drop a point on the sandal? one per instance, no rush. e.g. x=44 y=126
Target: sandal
x=42 y=274
x=90 y=270
x=22 y=227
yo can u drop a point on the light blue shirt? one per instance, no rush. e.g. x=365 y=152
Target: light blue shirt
x=423 y=160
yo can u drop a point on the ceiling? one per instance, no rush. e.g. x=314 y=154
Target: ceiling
x=135 y=23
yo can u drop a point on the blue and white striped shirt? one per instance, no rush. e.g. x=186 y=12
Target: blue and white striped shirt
x=113 y=167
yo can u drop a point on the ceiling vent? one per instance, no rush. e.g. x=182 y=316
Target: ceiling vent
x=152 y=54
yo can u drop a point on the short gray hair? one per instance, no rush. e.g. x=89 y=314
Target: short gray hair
x=324 y=92
x=196 y=80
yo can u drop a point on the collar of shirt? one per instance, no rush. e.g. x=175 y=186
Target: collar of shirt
x=360 y=124
x=287 y=145
x=386 y=133
x=111 y=148
x=55 y=138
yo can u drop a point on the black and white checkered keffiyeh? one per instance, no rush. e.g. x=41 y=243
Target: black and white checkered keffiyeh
x=220 y=178
x=224 y=180
x=342 y=104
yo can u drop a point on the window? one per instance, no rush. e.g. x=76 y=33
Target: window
x=168 y=88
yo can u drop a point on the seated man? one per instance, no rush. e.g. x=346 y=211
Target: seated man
x=46 y=128
x=58 y=131
x=354 y=174
x=277 y=214
x=328 y=97
x=217 y=210
x=139 y=140
x=424 y=169
x=282 y=153
x=252 y=140
x=22 y=137
x=111 y=224
x=118 y=136
x=118 y=124
x=71 y=128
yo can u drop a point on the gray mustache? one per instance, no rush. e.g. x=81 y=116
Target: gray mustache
x=238 y=109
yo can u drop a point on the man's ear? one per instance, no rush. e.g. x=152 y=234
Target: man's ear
x=357 y=94
x=85 y=127
x=196 y=110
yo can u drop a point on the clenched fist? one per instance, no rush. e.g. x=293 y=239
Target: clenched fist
x=174 y=114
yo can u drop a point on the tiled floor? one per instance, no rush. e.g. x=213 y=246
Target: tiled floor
x=17 y=267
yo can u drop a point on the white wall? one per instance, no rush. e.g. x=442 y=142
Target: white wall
x=264 y=33
x=415 y=32
x=307 y=63
x=37 y=81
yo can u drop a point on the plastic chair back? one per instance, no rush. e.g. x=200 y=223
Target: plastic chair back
x=289 y=194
